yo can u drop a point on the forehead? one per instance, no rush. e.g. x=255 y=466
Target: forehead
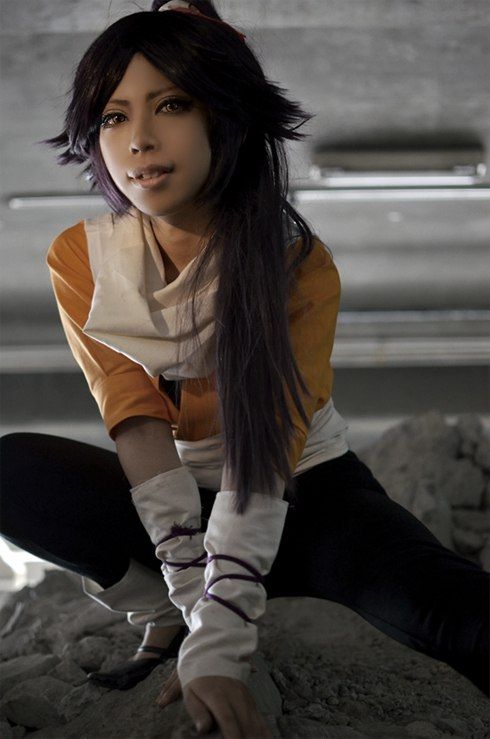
x=140 y=79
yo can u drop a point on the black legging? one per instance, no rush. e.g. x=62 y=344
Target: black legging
x=344 y=540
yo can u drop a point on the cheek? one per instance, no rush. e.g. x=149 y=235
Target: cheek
x=108 y=151
x=200 y=155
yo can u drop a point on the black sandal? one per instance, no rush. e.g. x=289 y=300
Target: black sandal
x=128 y=674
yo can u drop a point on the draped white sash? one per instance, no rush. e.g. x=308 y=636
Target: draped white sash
x=135 y=311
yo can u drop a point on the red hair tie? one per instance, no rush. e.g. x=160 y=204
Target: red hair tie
x=181 y=6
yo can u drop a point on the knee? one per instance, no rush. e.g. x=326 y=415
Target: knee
x=14 y=440
x=14 y=465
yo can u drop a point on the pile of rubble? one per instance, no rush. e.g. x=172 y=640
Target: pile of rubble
x=322 y=671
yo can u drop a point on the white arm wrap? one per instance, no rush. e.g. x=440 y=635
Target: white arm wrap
x=221 y=640
x=171 y=499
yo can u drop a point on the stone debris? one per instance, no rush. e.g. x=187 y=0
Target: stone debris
x=322 y=670
x=441 y=474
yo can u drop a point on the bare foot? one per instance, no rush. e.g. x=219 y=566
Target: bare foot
x=156 y=636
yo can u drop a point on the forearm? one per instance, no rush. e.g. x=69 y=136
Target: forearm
x=145 y=448
x=166 y=498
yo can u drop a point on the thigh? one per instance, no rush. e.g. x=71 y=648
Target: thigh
x=69 y=503
x=347 y=541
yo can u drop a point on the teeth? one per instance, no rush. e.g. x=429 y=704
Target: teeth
x=149 y=176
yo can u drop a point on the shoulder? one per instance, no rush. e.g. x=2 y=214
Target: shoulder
x=319 y=262
x=319 y=256
x=316 y=277
x=68 y=244
x=72 y=243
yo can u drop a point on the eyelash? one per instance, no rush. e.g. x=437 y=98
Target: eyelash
x=184 y=103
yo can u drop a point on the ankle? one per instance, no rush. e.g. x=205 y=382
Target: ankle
x=160 y=636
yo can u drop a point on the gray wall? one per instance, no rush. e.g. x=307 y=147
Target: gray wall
x=376 y=72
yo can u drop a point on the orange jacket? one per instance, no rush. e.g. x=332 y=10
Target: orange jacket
x=122 y=388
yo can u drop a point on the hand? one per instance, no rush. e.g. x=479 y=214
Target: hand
x=229 y=703
x=172 y=690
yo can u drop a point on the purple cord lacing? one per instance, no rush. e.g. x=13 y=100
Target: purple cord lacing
x=256 y=577
x=178 y=530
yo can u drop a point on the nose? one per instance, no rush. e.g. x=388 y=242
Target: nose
x=142 y=137
x=141 y=146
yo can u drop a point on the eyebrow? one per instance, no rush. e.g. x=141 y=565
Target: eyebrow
x=149 y=96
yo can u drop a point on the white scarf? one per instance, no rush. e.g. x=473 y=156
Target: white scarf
x=133 y=309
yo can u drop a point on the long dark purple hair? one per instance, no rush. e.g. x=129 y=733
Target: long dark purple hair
x=249 y=118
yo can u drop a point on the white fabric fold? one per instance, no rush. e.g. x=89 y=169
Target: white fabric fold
x=135 y=311
x=222 y=641
x=141 y=593
x=166 y=500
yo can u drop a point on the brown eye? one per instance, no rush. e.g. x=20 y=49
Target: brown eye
x=183 y=103
x=108 y=117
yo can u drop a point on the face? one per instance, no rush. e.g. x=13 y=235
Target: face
x=168 y=130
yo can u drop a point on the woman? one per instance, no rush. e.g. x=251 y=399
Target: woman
x=202 y=311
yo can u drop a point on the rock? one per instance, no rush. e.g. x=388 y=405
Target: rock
x=482 y=454
x=56 y=585
x=484 y=556
x=68 y=671
x=418 y=463
x=478 y=521
x=467 y=542
x=88 y=653
x=10 y=615
x=11 y=732
x=305 y=728
x=332 y=673
x=421 y=729
x=6 y=730
x=22 y=668
x=264 y=689
x=21 y=642
x=486 y=497
x=7 y=575
x=106 y=713
x=78 y=699
x=34 y=702
x=451 y=725
x=383 y=729
x=471 y=431
x=463 y=483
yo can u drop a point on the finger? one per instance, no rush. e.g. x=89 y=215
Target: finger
x=171 y=689
x=169 y=684
x=232 y=723
x=198 y=711
x=172 y=694
x=250 y=720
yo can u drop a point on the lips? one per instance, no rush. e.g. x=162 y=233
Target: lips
x=151 y=170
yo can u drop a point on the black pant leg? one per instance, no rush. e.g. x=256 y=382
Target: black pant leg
x=69 y=503
x=347 y=541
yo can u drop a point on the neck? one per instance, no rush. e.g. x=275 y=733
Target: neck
x=180 y=244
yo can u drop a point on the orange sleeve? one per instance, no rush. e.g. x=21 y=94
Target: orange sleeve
x=313 y=309
x=121 y=387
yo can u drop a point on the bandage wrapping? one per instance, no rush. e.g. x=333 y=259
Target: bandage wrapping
x=241 y=550
x=169 y=507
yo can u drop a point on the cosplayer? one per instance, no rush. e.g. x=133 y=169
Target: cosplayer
x=202 y=310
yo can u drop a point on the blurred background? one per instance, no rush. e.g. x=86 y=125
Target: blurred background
x=393 y=176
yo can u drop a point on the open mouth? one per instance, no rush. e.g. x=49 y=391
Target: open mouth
x=148 y=181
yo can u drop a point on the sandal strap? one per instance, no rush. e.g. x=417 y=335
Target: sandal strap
x=163 y=651
x=155 y=650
